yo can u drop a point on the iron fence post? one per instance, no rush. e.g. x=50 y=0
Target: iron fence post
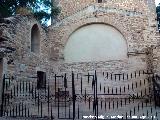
x=3 y=86
x=73 y=95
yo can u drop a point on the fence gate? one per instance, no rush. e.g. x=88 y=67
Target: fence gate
x=96 y=95
x=75 y=98
x=109 y=96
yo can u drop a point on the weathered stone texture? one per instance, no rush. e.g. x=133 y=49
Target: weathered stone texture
x=23 y=60
x=135 y=28
x=73 y=6
x=134 y=19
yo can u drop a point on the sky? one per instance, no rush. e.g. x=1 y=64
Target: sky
x=157 y=2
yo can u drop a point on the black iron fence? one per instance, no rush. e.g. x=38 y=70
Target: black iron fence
x=84 y=96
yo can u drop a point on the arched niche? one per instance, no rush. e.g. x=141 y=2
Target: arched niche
x=95 y=42
x=35 y=39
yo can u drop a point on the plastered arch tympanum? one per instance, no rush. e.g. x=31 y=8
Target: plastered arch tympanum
x=95 y=42
x=72 y=27
x=110 y=20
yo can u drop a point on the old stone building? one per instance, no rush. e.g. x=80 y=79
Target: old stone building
x=117 y=38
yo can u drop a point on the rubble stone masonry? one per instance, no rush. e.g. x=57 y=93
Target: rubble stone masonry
x=134 y=19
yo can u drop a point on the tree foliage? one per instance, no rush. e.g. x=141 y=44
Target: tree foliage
x=158 y=12
x=41 y=9
x=158 y=15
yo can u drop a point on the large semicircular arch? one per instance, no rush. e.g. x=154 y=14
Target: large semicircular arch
x=71 y=55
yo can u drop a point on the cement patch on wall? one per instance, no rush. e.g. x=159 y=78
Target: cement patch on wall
x=95 y=42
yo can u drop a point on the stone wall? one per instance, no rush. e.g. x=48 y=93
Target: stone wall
x=73 y=6
x=23 y=62
x=136 y=28
x=134 y=24
x=132 y=18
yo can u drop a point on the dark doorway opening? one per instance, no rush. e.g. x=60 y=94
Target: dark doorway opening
x=99 y=1
x=41 y=80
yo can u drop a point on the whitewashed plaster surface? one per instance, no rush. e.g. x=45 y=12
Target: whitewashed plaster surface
x=95 y=42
